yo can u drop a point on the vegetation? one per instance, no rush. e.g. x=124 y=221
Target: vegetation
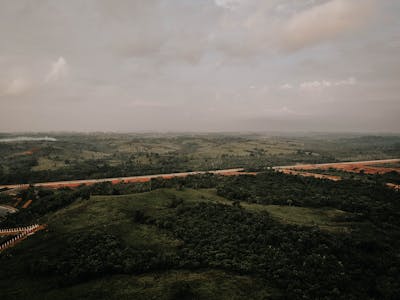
x=83 y=156
x=179 y=239
x=269 y=236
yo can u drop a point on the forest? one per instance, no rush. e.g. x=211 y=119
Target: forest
x=208 y=223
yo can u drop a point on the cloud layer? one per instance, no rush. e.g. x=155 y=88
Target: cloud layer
x=325 y=22
x=200 y=65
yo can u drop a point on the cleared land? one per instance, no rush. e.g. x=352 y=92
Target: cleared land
x=383 y=166
x=353 y=166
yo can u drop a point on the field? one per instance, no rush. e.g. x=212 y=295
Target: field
x=85 y=156
x=367 y=167
x=261 y=235
x=386 y=171
x=112 y=214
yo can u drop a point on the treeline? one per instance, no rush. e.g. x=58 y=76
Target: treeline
x=302 y=262
x=372 y=201
x=20 y=171
x=97 y=253
x=49 y=200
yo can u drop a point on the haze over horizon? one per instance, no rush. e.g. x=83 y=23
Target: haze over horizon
x=191 y=65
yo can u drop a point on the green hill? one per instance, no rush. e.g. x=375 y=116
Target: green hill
x=183 y=243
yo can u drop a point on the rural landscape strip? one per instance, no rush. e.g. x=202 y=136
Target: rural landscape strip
x=227 y=172
x=131 y=179
x=335 y=164
x=21 y=233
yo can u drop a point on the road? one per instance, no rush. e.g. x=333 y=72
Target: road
x=227 y=172
x=144 y=178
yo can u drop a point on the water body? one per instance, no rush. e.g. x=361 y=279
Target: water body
x=27 y=139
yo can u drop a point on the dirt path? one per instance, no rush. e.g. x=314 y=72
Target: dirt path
x=347 y=166
x=145 y=178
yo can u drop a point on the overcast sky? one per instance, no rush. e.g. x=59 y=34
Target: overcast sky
x=200 y=65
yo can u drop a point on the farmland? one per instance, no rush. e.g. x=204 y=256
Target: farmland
x=90 y=156
x=389 y=168
x=265 y=234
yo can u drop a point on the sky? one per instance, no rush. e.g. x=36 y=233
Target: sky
x=200 y=65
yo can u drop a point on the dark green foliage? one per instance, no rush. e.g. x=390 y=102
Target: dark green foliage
x=94 y=254
x=181 y=291
x=304 y=262
x=300 y=262
x=372 y=201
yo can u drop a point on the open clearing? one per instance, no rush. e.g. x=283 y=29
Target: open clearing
x=368 y=167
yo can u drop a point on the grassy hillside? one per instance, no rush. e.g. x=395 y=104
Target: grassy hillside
x=270 y=236
x=82 y=156
x=115 y=216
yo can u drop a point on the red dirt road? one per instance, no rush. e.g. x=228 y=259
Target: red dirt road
x=146 y=178
x=367 y=166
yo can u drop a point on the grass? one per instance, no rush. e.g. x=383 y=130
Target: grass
x=115 y=214
x=48 y=164
x=387 y=165
x=210 y=284
x=324 y=218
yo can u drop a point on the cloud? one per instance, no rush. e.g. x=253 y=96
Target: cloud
x=59 y=69
x=22 y=83
x=312 y=85
x=17 y=86
x=131 y=57
x=285 y=86
x=324 y=22
x=146 y=104
x=281 y=112
x=229 y=4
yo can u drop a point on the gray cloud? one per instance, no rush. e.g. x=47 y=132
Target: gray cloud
x=59 y=69
x=325 y=21
x=199 y=65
